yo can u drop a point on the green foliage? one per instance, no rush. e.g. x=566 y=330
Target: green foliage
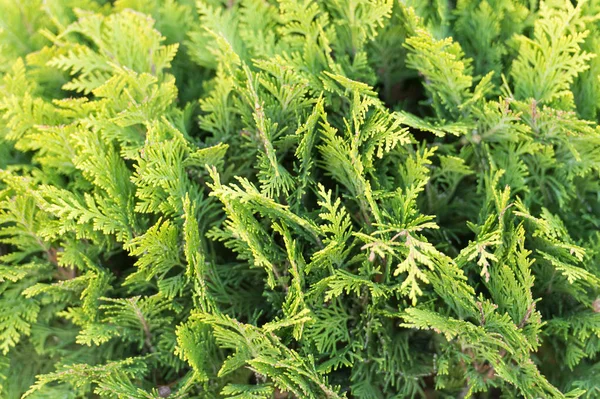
x=299 y=199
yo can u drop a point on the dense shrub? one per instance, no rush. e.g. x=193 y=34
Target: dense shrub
x=299 y=199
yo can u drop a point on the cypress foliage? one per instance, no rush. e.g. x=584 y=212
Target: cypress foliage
x=299 y=199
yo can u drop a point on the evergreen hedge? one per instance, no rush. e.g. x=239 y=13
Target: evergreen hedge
x=299 y=199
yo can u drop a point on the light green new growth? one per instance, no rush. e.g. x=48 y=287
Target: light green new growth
x=299 y=199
